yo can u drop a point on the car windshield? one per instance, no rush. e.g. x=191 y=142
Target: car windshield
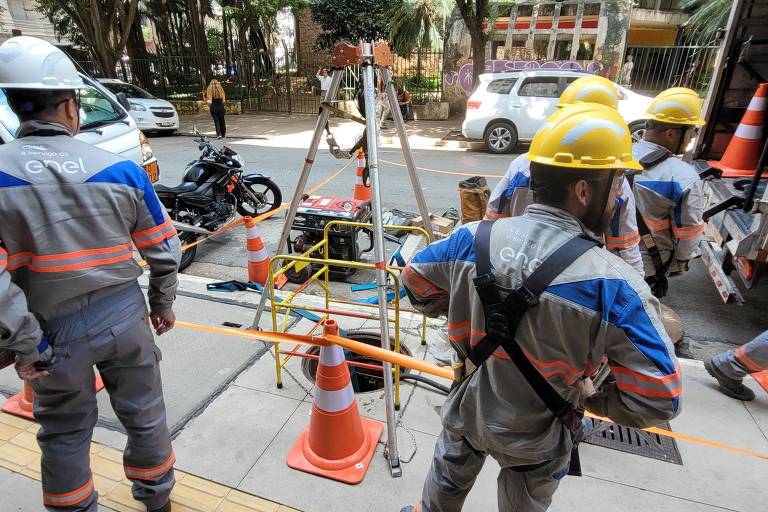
x=96 y=109
x=130 y=90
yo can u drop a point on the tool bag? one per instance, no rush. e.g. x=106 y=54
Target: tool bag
x=503 y=315
x=658 y=282
x=473 y=194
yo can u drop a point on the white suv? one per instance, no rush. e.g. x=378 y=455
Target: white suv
x=507 y=108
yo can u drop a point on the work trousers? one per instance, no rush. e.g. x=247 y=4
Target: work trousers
x=749 y=358
x=218 y=114
x=456 y=464
x=114 y=335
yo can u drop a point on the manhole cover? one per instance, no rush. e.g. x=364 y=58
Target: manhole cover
x=364 y=380
x=635 y=441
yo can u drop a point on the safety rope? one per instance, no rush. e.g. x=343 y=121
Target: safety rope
x=416 y=364
x=440 y=171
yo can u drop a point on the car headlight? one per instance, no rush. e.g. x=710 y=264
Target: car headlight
x=146 y=149
x=138 y=107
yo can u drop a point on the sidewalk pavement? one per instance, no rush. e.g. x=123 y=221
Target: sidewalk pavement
x=240 y=432
x=295 y=130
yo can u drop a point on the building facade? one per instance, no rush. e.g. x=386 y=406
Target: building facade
x=20 y=17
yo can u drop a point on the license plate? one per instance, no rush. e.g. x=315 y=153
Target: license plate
x=164 y=124
x=153 y=171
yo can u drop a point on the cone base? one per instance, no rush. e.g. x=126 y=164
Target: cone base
x=731 y=172
x=353 y=474
x=17 y=406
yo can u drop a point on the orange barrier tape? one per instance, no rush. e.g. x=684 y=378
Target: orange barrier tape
x=263 y=216
x=419 y=365
x=452 y=173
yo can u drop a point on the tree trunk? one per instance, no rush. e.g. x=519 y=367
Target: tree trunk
x=245 y=66
x=478 y=56
x=139 y=59
x=225 y=38
x=106 y=60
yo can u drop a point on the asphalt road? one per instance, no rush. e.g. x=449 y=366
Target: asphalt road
x=710 y=325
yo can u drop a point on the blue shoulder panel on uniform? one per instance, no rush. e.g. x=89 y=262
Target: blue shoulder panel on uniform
x=6 y=181
x=519 y=180
x=669 y=189
x=130 y=174
x=460 y=246
x=620 y=305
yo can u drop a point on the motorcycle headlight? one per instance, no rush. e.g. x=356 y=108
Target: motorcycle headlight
x=138 y=107
x=238 y=158
x=146 y=149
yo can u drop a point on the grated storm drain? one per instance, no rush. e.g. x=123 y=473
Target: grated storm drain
x=635 y=441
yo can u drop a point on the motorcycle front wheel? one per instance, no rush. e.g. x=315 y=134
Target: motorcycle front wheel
x=268 y=195
x=187 y=256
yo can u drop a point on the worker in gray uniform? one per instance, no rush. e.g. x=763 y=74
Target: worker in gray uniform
x=531 y=318
x=70 y=215
x=730 y=367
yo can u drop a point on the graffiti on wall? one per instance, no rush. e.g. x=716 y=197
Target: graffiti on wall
x=463 y=77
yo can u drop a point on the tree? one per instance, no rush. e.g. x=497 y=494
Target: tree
x=352 y=21
x=474 y=13
x=105 y=25
x=416 y=23
x=707 y=16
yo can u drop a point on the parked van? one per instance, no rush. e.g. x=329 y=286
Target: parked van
x=105 y=123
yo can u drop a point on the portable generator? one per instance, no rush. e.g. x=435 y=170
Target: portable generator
x=313 y=214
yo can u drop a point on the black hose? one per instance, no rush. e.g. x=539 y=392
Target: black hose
x=424 y=380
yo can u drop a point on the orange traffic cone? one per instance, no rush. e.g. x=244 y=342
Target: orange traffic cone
x=362 y=191
x=22 y=402
x=338 y=444
x=258 y=257
x=741 y=155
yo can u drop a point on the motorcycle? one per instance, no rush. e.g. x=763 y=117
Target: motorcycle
x=212 y=190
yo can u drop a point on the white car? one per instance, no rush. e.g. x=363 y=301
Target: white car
x=507 y=108
x=105 y=123
x=151 y=114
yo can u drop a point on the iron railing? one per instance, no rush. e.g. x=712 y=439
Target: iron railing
x=659 y=67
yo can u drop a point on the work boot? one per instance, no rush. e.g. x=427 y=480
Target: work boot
x=728 y=386
x=164 y=508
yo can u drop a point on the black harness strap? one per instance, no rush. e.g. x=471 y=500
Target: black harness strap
x=502 y=316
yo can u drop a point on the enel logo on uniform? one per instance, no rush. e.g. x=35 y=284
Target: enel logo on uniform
x=66 y=166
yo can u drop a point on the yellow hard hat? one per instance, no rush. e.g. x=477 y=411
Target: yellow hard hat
x=590 y=89
x=584 y=136
x=678 y=105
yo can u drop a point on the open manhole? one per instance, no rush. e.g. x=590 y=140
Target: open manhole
x=635 y=441
x=364 y=380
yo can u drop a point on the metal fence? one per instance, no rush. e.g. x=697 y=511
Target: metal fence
x=659 y=67
x=279 y=81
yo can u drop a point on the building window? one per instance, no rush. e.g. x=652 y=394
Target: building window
x=543 y=87
x=568 y=10
x=586 y=48
x=591 y=9
x=547 y=10
x=497 y=49
x=525 y=10
x=17 y=10
x=563 y=47
x=504 y=10
x=540 y=45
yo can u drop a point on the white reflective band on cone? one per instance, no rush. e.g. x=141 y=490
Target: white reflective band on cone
x=331 y=356
x=359 y=180
x=257 y=256
x=747 y=131
x=252 y=232
x=757 y=104
x=334 y=401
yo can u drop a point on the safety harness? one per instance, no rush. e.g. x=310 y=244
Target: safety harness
x=658 y=283
x=503 y=315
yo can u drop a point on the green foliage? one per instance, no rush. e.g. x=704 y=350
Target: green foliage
x=707 y=16
x=352 y=21
x=215 y=41
x=416 y=23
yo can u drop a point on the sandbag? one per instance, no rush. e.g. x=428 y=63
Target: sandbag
x=673 y=324
x=473 y=195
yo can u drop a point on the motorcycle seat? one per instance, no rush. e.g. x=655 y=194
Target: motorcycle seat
x=179 y=189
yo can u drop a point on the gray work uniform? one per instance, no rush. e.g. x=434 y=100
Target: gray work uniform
x=670 y=199
x=749 y=358
x=597 y=308
x=512 y=195
x=71 y=215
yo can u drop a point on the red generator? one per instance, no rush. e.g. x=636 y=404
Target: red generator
x=343 y=241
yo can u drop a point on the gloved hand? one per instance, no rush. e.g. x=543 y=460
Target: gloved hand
x=37 y=363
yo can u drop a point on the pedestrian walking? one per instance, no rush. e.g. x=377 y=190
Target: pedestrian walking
x=70 y=215
x=534 y=305
x=216 y=98
x=325 y=82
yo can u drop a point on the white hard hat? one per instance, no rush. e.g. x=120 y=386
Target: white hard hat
x=31 y=63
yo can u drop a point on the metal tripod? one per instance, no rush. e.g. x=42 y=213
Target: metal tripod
x=368 y=56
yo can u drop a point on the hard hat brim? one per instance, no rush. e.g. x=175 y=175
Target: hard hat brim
x=42 y=87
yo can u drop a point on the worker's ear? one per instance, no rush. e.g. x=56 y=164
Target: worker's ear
x=582 y=192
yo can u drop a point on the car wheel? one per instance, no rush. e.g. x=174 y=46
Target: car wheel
x=637 y=130
x=500 y=138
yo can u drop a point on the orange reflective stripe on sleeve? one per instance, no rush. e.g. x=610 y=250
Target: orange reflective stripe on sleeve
x=151 y=473
x=155 y=235
x=420 y=285
x=491 y=215
x=69 y=498
x=66 y=261
x=688 y=232
x=656 y=225
x=3 y=258
x=622 y=242
x=668 y=386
